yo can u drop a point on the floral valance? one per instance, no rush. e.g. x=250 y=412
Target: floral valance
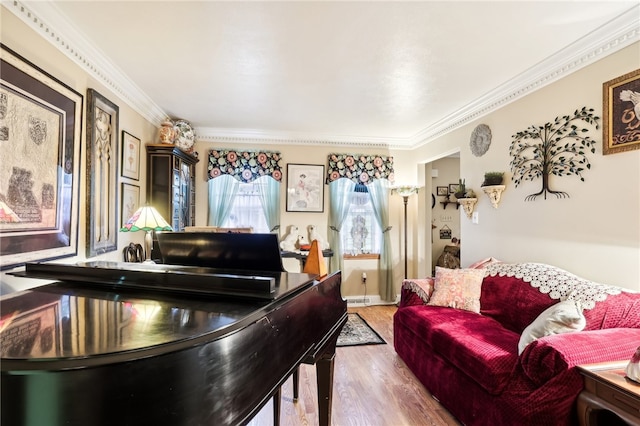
x=359 y=168
x=246 y=166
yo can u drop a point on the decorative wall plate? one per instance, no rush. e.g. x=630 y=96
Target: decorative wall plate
x=480 y=140
x=185 y=136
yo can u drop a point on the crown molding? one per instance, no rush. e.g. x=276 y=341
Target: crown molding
x=223 y=135
x=46 y=19
x=609 y=38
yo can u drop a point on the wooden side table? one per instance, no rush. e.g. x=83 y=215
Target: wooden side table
x=608 y=398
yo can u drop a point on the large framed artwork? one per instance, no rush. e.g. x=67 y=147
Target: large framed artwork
x=102 y=165
x=130 y=165
x=305 y=188
x=621 y=113
x=40 y=132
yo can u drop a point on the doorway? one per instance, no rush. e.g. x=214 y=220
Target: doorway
x=445 y=215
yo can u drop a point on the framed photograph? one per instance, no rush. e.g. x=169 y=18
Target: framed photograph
x=41 y=132
x=130 y=201
x=130 y=164
x=305 y=188
x=442 y=190
x=621 y=113
x=453 y=187
x=102 y=166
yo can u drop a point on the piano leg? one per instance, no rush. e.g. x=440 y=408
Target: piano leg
x=296 y=383
x=277 y=402
x=324 y=373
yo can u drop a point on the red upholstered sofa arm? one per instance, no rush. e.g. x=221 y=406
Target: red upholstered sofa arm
x=549 y=356
x=415 y=291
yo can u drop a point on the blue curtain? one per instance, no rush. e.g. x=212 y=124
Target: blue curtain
x=340 y=191
x=222 y=192
x=270 y=200
x=379 y=191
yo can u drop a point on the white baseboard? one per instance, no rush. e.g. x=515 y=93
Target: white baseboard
x=368 y=300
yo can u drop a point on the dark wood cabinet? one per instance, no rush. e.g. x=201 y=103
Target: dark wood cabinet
x=171 y=184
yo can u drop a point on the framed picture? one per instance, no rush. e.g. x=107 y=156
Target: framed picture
x=453 y=187
x=305 y=188
x=102 y=166
x=41 y=131
x=130 y=201
x=130 y=164
x=442 y=190
x=621 y=113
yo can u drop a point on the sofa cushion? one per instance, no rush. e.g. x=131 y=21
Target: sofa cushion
x=512 y=302
x=457 y=288
x=563 y=317
x=478 y=346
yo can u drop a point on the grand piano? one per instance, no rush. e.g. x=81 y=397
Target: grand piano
x=206 y=338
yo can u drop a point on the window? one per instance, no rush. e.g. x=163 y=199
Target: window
x=360 y=231
x=247 y=211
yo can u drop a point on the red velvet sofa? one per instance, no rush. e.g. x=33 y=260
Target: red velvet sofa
x=469 y=361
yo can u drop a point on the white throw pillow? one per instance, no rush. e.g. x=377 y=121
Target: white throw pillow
x=563 y=317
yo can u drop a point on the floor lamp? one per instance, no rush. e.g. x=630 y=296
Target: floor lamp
x=405 y=192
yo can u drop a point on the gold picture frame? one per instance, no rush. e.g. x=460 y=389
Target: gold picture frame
x=621 y=113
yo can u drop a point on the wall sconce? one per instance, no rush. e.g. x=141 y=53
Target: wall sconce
x=468 y=204
x=494 y=192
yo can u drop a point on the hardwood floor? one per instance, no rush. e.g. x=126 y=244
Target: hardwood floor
x=372 y=387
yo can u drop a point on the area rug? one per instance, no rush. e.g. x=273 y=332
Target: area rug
x=357 y=332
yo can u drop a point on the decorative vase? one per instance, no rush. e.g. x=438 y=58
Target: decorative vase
x=167 y=132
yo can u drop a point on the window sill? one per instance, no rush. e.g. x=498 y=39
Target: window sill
x=361 y=256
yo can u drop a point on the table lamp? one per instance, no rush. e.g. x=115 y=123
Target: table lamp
x=146 y=219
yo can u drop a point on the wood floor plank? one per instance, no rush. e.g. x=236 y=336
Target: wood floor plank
x=372 y=387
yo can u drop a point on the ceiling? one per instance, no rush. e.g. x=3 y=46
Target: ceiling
x=391 y=73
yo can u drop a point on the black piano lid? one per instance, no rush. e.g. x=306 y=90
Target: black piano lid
x=221 y=250
x=43 y=324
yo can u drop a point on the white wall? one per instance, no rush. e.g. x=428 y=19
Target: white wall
x=596 y=232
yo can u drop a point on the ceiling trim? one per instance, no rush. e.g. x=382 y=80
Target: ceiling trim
x=46 y=19
x=609 y=38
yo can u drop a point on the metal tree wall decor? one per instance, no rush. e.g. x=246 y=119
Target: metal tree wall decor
x=557 y=148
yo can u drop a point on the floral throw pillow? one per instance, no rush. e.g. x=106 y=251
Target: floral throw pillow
x=457 y=288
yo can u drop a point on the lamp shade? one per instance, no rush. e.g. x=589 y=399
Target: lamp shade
x=406 y=190
x=146 y=218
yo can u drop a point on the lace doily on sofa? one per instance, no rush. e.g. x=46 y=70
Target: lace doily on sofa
x=556 y=282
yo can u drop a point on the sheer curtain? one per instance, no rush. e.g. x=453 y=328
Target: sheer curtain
x=222 y=191
x=379 y=191
x=340 y=192
x=270 y=200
